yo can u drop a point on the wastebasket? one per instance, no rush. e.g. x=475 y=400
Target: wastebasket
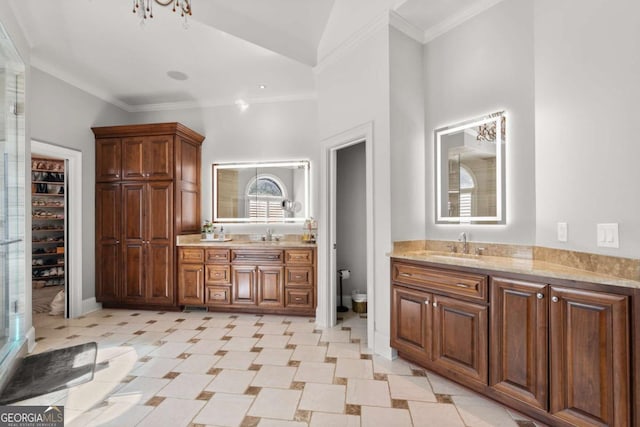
x=359 y=302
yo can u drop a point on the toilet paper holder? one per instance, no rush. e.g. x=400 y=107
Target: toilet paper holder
x=343 y=274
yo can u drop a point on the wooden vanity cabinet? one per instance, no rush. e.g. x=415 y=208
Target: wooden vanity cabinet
x=256 y=279
x=440 y=319
x=147 y=193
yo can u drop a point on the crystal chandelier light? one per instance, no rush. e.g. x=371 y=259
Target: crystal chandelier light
x=145 y=7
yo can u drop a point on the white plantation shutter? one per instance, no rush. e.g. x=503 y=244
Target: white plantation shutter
x=263 y=208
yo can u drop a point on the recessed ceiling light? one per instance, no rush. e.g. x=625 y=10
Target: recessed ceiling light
x=177 y=75
x=262 y=86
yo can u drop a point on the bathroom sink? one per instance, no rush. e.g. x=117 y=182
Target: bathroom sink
x=453 y=256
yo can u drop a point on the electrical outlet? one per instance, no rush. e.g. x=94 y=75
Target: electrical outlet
x=607 y=235
x=562 y=232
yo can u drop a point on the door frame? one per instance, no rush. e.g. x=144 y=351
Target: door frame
x=74 y=210
x=327 y=266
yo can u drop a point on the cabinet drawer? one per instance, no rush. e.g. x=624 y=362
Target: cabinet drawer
x=217 y=274
x=216 y=256
x=469 y=285
x=256 y=256
x=191 y=256
x=299 y=256
x=299 y=276
x=218 y=295
x=299 y=298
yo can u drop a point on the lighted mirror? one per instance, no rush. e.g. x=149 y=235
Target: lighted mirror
x=470 y=184
x=261 y=192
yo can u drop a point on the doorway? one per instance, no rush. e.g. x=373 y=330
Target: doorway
x=57 y=212
x=327 y=259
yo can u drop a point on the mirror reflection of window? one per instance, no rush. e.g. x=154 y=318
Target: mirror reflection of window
x=265 y=194
x=467 y=186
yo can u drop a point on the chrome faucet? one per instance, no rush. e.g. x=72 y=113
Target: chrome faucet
x=269 y=235
x=465 y=245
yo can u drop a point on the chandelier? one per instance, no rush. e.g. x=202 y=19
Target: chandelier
x=144 y=8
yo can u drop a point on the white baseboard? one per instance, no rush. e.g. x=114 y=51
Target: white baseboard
x=90 y=304
x=31 y=339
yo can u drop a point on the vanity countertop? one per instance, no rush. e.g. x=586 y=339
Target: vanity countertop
x=514 y=265
x=242 y=241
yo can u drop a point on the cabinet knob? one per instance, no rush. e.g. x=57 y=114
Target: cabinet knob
x=554 y=299
x=117 y=175
x=539 y=295
x=435 y=304
x=426 y=302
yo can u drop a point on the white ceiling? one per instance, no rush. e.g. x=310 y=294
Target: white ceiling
x=229 y=49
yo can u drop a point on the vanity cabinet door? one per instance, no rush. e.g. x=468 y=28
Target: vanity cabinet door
x=519 y=340
x=460 y=338
x=270 y=286
x=411 y=322
x=190 y=284
x=589 y=356
x=243 y=280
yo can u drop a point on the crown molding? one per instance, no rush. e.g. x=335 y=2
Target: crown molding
x=405 y=27
x=457 y=19
x=353 y=41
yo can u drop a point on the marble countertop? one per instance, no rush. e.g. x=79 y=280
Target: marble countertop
x=514 y=265
x=243 y=241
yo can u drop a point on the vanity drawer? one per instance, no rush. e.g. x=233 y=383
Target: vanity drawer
x=299 y=276
x=217 y=274
x=473 y=286
x=217 y=256
x=299 y=256
x=218 y=295
x=191 y=255
x=259 y=256
x=299 y=298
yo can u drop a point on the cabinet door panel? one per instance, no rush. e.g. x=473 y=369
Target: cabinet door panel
x=133 y=158
x=411 y=322
x=133 y=285
x=158 y=157
x=108 y=255
x=244 y=285
x=270 y=286
x=190 y=284
x=589 y=357
x=159 y=214
x=133 y=206
x=108 y=159
x=519 y=340
x=159 y=274
x=460 y=337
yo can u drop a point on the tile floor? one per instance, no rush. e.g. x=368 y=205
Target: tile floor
x=218 y=369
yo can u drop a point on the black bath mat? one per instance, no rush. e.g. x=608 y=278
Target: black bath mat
x=50 y=371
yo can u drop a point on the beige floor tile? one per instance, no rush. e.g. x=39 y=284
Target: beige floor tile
x=197 y=364
x=266 y=422
x=386 y=366
x=231 y=381
x=481 y=412
x=320 y=419
x=189 y=324
x=338 y=349
x=170 y=349
x=273 y=356
x=173 y=412
x=247 y=319
x=323 y=397
x=272 y=318
x=274 y=377
x=442 y=385
x=224 y=410
x=186 y=386
x=211 y=334
x=304 y=338
x=243 y=331
x=309 y=353
x=368 y=392
x=138 y=391
x=237 y=360
x=273 y=341
x=119 y=415
x=435 y=414
x=315 y=372
x=217 y=322
x=301 y=326
x=354 y=368
x=273 y=329
x=376 y=417
x=240 y=344
x=181 y=335
x=89 y=394
x=275 y=403
x=208 y=347
x=157 y=367
x=147 y=338
x=410 y=388
x=160 y=326
x=332 y=335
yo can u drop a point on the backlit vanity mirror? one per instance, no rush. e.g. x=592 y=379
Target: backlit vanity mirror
x=470 y=171
x=261 y=192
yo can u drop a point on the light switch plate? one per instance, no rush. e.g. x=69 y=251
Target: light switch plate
x=607 y=235
x=562 y=232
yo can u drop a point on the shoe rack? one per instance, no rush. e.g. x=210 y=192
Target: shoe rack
x=48 y=222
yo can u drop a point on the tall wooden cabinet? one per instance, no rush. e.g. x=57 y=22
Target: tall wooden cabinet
x=147 y=192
